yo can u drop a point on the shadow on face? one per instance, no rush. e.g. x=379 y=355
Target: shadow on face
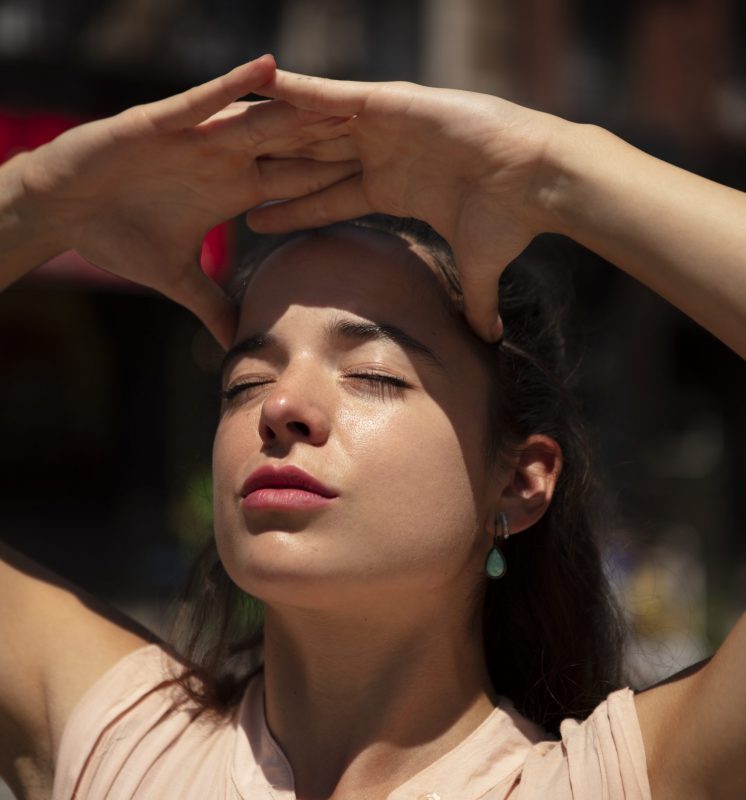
x=351 y=364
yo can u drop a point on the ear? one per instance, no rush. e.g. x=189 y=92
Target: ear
x=532 y=477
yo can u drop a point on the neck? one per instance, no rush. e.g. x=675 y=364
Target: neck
x=368 y=700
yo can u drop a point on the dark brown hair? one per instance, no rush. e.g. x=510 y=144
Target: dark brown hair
x=553 y=634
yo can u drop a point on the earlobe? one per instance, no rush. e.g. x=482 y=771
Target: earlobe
x=535 y=470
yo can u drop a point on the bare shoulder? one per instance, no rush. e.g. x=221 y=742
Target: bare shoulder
x=694 y=727
x=57 y=642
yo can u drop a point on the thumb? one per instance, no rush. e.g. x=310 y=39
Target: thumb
x=480 y=265
x=480 y=280
x=204 y=298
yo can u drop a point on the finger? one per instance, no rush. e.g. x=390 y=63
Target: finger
x=195 y=105
x=233 y=109
x=204 y=298
x=284 y=134
x=344 y=200
x=343 y=148
x=239 y=106
x=481 y=297
x=480 y=265
x=270 y=126
x=336 y=98
x=291 y=178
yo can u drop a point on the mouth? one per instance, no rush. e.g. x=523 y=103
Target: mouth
x=285 y=488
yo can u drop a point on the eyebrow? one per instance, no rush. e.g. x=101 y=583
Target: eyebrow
x=376 y=332
x=351 y=330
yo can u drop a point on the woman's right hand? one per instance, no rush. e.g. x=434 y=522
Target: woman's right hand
x=136 y=193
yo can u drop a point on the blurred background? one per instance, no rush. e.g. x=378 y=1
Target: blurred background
x=109 y=394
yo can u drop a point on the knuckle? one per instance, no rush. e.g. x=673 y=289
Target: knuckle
x=138 y=116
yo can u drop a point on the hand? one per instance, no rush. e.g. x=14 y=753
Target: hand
x=135 y=194
x=471 y=165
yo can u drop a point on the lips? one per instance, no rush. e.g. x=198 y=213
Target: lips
x=284 y=478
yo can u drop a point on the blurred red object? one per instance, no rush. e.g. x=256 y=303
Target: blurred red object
x=217 y=252
x=29 y=129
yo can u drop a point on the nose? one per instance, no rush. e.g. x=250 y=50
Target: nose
x=294 y=412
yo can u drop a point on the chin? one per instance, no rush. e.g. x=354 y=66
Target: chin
x=281 y=573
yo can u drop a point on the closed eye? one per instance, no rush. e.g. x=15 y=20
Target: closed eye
x=385 y=387
x=232 y=391
x=376 y=383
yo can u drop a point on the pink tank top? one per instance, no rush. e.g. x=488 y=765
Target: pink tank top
x=135 y=736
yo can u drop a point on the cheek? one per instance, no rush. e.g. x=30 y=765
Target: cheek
x=420 y=486
x=230 y=447
x=236 y=441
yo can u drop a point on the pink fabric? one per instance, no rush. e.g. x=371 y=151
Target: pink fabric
x=134 y=736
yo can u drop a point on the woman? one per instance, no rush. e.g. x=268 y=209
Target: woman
x=357 y=492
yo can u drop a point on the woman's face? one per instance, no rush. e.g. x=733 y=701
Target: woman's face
x=354 y=371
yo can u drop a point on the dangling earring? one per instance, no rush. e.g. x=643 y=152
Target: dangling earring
x=495 y=565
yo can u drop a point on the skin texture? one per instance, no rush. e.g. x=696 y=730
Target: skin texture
x=387 y=580
x=358 y=428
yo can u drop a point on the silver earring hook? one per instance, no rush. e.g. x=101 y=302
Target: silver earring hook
x=502 y=525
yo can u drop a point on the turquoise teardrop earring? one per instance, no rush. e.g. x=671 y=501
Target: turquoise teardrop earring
x=495 y=565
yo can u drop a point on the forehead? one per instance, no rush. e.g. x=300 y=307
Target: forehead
x=375 y=276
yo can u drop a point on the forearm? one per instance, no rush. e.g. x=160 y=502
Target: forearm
x=679 y=234
x=26 y=239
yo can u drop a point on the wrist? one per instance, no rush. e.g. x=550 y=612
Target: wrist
x=34 y=208
x=565 y=181
x=27 y=238
x=24 y=208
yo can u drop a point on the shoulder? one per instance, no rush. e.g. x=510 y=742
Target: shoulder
x=137 y=727
x=58 y=641
x=123 y=707
x=97 y=638
x=599 y=758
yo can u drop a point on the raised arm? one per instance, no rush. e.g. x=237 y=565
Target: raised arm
x=680 y=234
x=489 y=175
x=135 y=195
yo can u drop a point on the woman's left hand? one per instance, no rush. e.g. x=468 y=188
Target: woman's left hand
x=489 y=175
x=470 y=165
